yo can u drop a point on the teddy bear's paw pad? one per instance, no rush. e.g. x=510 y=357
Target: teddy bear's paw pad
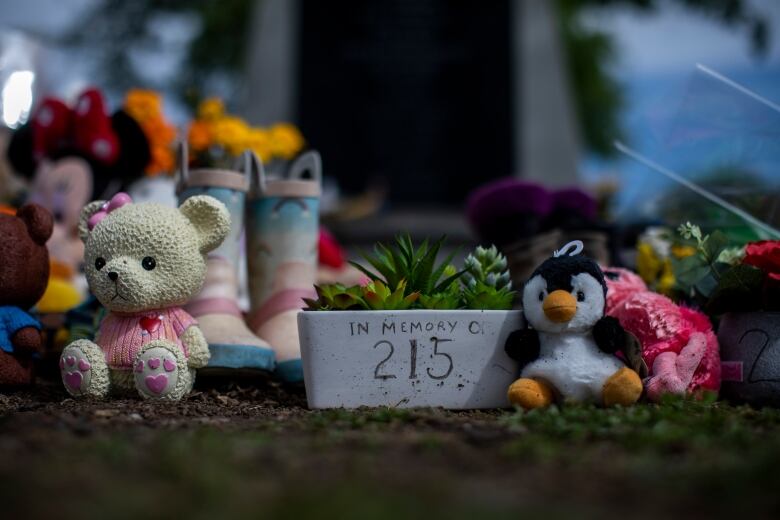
x=76 y=370
x=156 y=373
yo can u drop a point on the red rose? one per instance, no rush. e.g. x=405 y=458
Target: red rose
x=765 y=255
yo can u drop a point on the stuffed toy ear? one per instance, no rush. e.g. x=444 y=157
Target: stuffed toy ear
x=20 y=151
x=89 y=210
x=94 y=135
x=38 y=220
x=134 y=152
x=210 y=218
x=51 y=125
x=134 y=155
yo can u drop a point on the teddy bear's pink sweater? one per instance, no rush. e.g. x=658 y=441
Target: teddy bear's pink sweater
x=121 y=336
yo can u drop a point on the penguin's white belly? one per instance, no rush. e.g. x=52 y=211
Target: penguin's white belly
x=574 y=365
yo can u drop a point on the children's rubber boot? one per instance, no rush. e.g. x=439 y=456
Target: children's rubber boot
x=282 y=248
x=231 y=344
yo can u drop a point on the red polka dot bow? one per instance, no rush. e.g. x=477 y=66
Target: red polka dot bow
x=85 y=128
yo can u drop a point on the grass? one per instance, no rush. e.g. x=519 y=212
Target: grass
x=698 y=459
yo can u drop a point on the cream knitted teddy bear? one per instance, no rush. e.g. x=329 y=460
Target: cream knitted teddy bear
x=143 y=262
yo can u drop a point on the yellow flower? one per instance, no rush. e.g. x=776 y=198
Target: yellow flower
x=143 y=105
x=682 y=251
x=259 y=141
x=211 y=109
x=667 y=281
x=648 y=265
x=286 y=140
x=232 y=133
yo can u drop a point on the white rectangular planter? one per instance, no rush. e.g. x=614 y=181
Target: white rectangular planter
x=452 y=359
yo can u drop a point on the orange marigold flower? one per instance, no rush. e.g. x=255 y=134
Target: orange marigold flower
x=162 y=161
x=158 y=131
x=143 y=105
x=199 y=136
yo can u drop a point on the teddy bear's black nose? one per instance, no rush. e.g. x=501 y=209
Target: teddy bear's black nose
x=113 y=276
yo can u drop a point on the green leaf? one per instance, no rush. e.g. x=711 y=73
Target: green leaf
x=410 y=299
x=373 y=300
x=447 y=281
x=425 y=266
x=404 y=245
x=439 y=272
x=382 y=264
x=365 y=271
x=739 y=289
x=488 y=297
x=689 y=270
x=399 y=267
x=714 y=244
x=706 y=284
x=442 y=301
x=313 y=305
x=337 y=297
x=742 y=277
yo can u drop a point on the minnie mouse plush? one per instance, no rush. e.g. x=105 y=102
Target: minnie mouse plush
x=73 y=155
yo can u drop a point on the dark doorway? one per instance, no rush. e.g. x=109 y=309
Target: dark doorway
x=414 y=94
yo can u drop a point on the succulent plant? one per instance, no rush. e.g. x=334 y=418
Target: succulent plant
x=337 y=297
x=449 y=299
x=379 y=297
x=373 y=296
x=417 y=267
x=406 y=277
x=486 y=282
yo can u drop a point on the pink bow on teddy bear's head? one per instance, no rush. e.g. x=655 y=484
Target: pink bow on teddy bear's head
x=117 y=201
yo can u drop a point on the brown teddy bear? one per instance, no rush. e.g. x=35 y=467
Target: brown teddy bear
x=24 y=272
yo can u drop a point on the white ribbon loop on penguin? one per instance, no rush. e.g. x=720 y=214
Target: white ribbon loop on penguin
x=573 y=248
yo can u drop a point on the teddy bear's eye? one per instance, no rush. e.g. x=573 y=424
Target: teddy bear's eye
x=99 y=263
x=541 y=296
x=580 y=296
x=148 y=263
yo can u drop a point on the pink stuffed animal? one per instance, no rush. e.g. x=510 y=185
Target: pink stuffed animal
x=677 y=342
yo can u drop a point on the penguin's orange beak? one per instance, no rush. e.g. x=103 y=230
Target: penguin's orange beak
x=559 y=306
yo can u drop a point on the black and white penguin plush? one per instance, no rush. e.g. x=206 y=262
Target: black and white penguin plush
x=568 y=350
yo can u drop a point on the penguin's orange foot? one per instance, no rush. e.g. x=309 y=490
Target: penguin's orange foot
x=530 y=394
x=624 y=387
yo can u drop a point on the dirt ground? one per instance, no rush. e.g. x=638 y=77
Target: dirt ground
x=254 y=449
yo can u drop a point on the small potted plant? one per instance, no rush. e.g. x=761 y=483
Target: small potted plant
x=741 y=286
x=417 y=333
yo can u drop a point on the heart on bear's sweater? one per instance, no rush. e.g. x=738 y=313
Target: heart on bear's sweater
x=150 y=323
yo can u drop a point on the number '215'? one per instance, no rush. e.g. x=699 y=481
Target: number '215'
x=413 y=358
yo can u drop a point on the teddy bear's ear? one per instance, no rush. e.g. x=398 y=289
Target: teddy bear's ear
x=89 y=210
x=210 y=218
x=38 y=220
